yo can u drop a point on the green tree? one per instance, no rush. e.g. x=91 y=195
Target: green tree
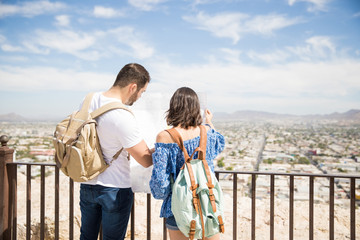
x=303 y=160
x=322 y=145
x=220 y=163
x=268 y=161
x=342 y=170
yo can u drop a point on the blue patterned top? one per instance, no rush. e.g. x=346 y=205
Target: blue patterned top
x=168 y=159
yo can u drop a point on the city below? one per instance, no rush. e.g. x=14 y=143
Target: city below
x=285 y=145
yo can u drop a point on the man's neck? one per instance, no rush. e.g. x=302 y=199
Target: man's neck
x=116 y=92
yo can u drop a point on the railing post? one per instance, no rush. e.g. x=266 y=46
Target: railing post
x=6 y=156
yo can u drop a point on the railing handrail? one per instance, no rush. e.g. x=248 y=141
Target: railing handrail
x=290 y=174
x=229 y=172
x=33 y=164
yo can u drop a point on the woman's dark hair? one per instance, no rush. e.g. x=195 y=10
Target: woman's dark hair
x=184 y=109
x=132 y=73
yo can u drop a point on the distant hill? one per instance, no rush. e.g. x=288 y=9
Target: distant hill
x=353 y=114
x=248 y=114
x=12 y=117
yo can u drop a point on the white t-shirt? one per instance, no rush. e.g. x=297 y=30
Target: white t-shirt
x=116 y=129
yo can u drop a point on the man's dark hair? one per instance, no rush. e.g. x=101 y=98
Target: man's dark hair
x=184 y=109
x=132 y=73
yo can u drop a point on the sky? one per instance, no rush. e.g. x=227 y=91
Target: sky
x=281 y=56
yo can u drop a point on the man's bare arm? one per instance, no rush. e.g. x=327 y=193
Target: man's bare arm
x=141 y=153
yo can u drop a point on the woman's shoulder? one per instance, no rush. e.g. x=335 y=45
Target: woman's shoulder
x=164 y=137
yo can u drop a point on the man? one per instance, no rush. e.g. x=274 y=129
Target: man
x=107 y=199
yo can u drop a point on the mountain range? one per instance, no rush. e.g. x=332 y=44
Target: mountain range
x=353 y=114
x=13 y=117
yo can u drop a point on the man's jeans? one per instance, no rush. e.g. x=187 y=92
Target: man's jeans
x=106 y=205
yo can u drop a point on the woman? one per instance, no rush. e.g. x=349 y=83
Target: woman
x=184 y=115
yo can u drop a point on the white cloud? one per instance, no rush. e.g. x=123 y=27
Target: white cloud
x=33 y=47
x=231 y=87
x=356 y=15
x=62 y=20
x=105 y=12
x=17 y=59
x=203 y=2
x=128 y=36
x=321 y=44
x=231 y=55
x=269 y=23
x=6 y=47
x=198 y=2
x=90 y=46
x=141 y=49
x=300 y=87
x=64 y=40
x=316 y=47
x=145 y=5
x=223 y=25
x=2 y=38
x=30 y=9
x=315 y=5
x=10 y=48
x=69 y=79
x=273 y=57
x=235 y=25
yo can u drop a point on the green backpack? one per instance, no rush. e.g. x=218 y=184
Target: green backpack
x=197 y=199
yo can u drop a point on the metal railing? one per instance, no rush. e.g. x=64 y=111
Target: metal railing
x=9 y=225
x=291 y=176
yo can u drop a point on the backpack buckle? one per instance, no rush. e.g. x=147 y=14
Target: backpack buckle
x=194 y=187
x=211 y=197
x=221 y=224
x=192 y=229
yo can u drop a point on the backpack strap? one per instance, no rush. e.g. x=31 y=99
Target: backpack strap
x=203 y=140
x=117 y=155
x=80 y=116
x=221 y=224
x=202 y=223
x=101 y=110
x=83 y=112
x=107 y=107
x=202 y=146
x=87 y=101
x=178 y=139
